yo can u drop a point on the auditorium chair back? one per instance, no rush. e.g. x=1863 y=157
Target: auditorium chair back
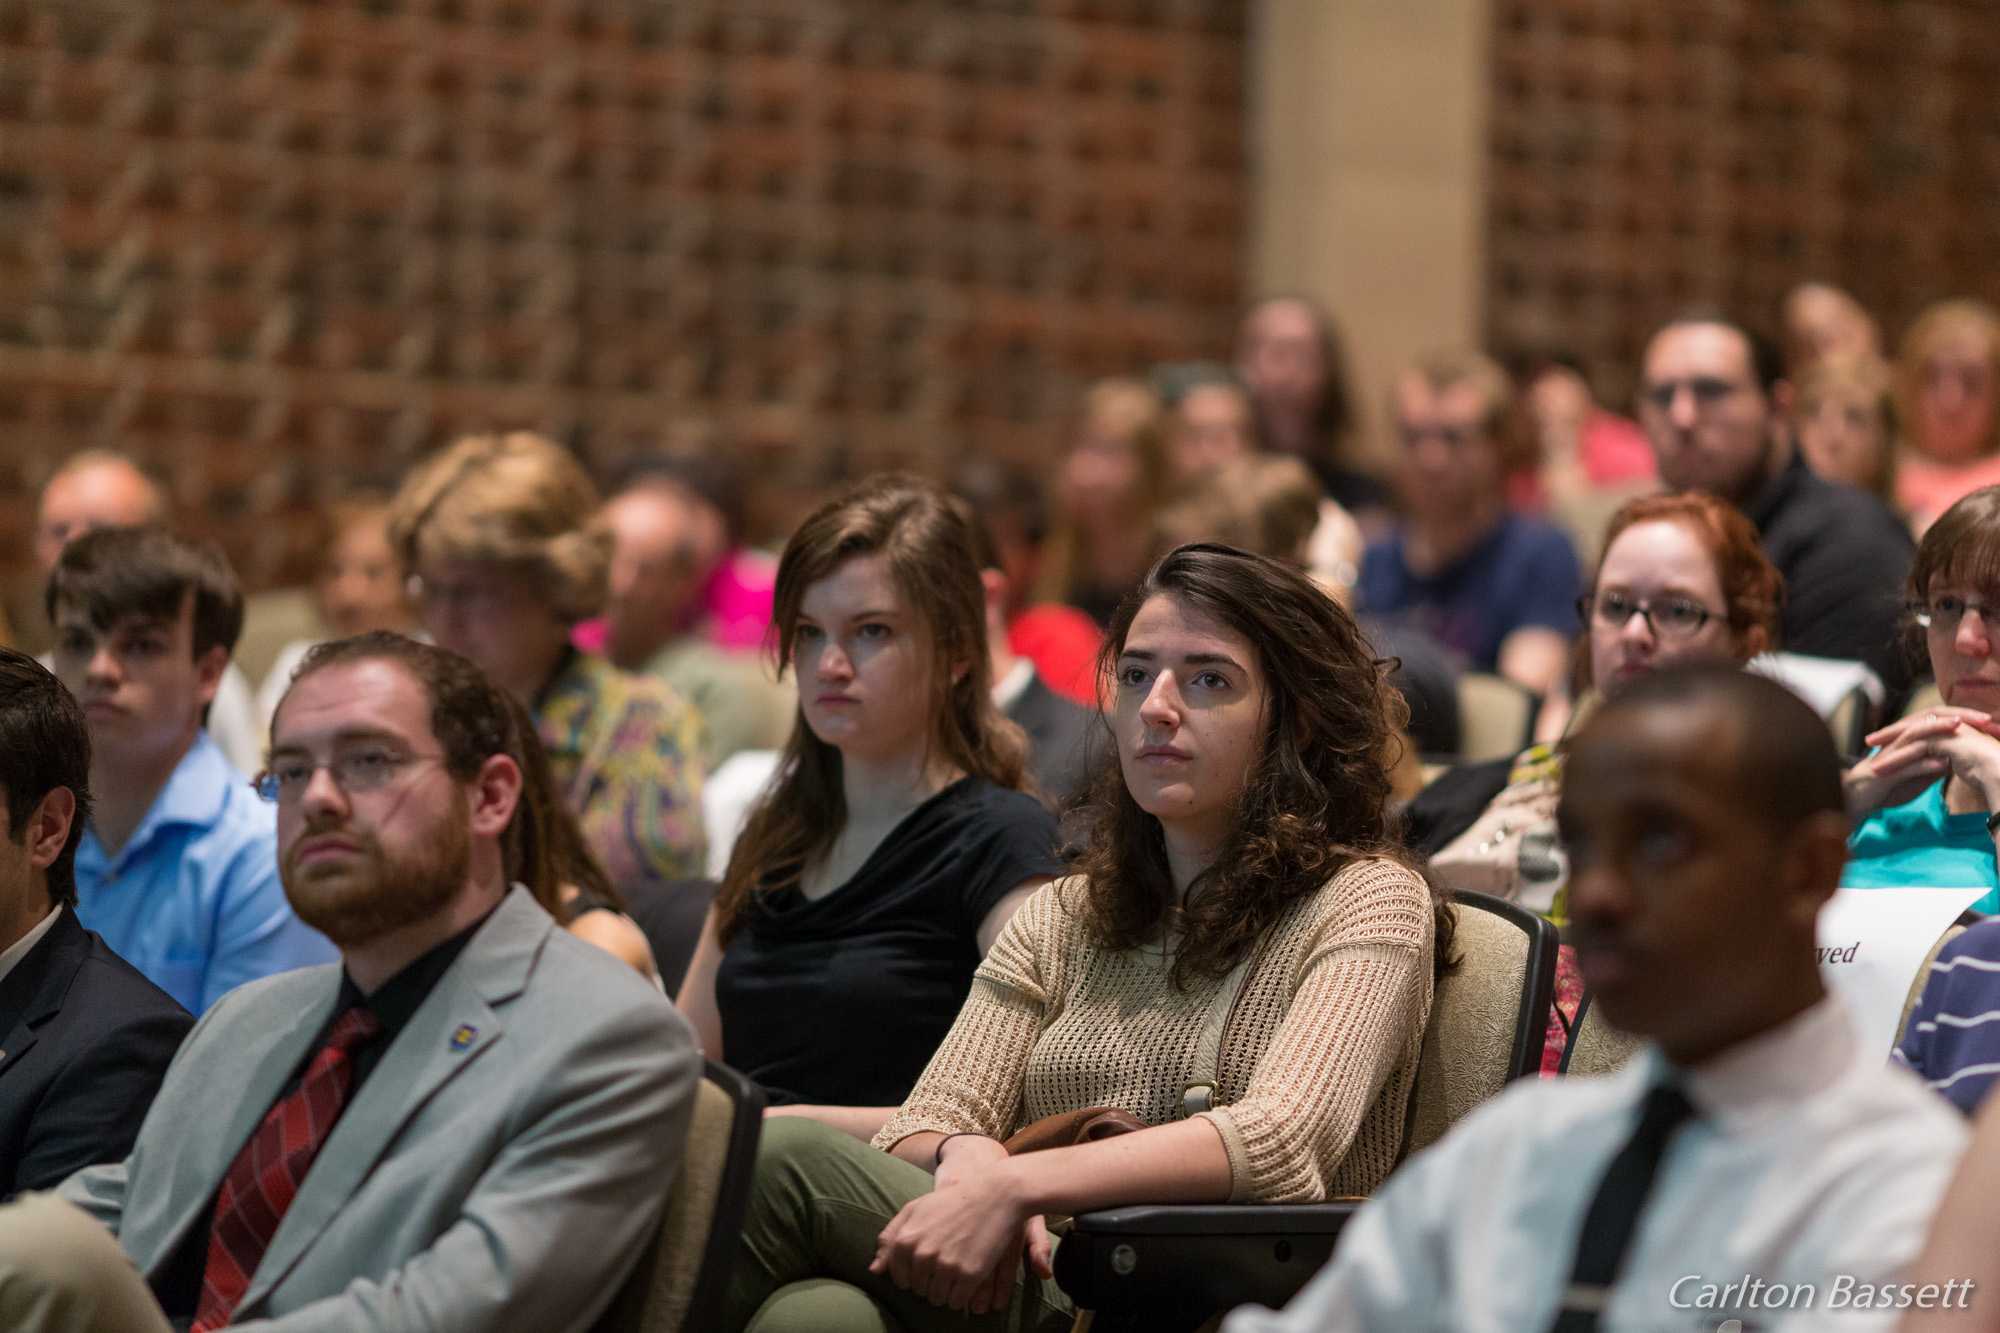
x=1489 y=1016
x=1496 y=717
x=683 y=1275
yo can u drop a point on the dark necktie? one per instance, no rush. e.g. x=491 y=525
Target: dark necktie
x=267 y=1173
x=1614 y=1210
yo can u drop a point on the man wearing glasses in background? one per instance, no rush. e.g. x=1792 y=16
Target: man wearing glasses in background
x=1713 y=401
x=178 y=868
x=471 y=1122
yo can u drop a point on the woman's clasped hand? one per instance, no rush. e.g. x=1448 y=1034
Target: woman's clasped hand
x=1913 y=752
x=961 y=1245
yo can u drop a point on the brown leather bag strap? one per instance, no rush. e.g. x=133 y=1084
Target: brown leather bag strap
x=1204 y=1090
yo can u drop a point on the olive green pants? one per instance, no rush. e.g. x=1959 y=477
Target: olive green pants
x=819 y=1204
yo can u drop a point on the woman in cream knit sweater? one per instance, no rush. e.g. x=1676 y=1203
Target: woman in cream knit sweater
x=1238 y=847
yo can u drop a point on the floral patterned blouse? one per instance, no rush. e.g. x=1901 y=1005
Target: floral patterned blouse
x=626 y=752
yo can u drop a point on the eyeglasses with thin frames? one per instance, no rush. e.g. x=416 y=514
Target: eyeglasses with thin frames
x=1707 y=390
x=1666 y=617
x=1943 y=614
x=368 y=768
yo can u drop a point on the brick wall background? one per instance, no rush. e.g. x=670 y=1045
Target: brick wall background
x=1648 y=154
x=277 y=248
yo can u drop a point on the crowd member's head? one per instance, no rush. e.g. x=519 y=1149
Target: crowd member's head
x=1682 y=580
x=1249 y=716
x=397 y=771
x=94 y=489
x=1703 y=817
x=668 y=543
x=1453 y=414
x=1209 y=420
x=145 y=622
x=880 y=613
x=1109 y=485
x=1289 y=360
x=509 y=549
x=1267 y=505
x=361 y=584
x=1823 y=321
x=1845 y=422
x=1955 y=594
x=1009 y=509
x=1948 y=373
x=44 y=792
x=1712 y=401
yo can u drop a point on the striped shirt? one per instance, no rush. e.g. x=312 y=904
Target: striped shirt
x=1953 y=1039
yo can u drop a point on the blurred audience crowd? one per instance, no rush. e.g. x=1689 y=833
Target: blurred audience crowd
x=1031 y=845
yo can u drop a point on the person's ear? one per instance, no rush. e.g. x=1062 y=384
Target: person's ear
x=1756 y=641
x=495 y=795
x=208 y=669
x=48 y=828
x=995 y=584
x=1815 y=854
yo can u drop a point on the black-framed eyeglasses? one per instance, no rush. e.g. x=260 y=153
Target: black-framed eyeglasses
x=1708 y=390
x=1666 y=617
x=368 y=768
x=1944 y=613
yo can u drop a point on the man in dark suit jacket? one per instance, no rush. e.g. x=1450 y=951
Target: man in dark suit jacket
x=84 y=1038
x=1058 y=730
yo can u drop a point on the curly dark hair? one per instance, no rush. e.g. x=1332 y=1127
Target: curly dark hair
x=1316 y=800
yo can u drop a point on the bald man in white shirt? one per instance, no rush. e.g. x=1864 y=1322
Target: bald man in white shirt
x=1754 y=1163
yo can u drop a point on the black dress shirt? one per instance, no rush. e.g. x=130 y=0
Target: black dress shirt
x=1845 y=557
x=177 y=1286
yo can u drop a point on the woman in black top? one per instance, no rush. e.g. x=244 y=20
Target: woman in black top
x=895 y=841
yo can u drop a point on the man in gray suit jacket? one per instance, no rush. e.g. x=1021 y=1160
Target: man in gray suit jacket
x=470 y=1123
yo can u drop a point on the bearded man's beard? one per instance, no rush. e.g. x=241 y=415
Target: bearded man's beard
x=363 y=900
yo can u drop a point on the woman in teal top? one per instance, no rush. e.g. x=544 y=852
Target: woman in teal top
x=1925 y=795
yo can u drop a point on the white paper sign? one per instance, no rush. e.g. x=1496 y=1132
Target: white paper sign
x=1871 y=943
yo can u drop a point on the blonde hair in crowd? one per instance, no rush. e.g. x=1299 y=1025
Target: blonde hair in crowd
x=519 y=499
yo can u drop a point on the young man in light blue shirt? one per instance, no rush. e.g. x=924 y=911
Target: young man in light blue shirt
x=178 y=870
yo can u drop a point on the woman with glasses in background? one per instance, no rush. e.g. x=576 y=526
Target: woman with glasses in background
x=510 y=550
x=1924 y=797
x=1682 y=580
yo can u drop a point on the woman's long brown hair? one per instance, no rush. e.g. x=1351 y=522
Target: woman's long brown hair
x=1316 y=800
x=929 y=548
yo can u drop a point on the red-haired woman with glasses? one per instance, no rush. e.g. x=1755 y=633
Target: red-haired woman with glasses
x=1682 y=580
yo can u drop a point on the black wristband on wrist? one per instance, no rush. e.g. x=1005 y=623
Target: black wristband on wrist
x=937 y=1154
x=1993 y=825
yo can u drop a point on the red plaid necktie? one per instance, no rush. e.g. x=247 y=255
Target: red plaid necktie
x=266 y=1175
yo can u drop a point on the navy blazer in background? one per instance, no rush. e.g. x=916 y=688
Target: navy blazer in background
x=84 y=1042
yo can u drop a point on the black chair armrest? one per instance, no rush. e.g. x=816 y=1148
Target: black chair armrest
x=1168 y=1268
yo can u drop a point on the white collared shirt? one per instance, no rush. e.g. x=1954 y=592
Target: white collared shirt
x=1010 y=687
x=11 y=957
x=1810 y=1161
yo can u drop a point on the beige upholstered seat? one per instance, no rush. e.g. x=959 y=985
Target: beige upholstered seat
x=655 y=1299
x=1494 y=717
x=1923 y=975
x=1600 y=1048
x=1474 y=1014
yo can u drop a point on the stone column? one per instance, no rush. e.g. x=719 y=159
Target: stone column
x=1368 y=167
